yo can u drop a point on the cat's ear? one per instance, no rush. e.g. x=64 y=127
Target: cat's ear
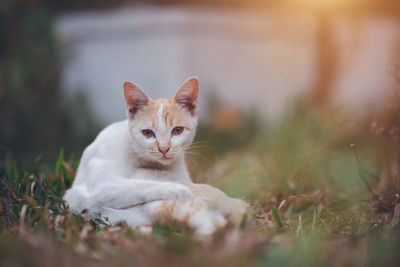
x=135 y=98
x=187 y=95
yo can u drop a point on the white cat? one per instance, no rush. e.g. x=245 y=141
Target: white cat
x=134 y=171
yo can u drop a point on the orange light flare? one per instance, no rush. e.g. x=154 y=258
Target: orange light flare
x=323 y=3
x=324 y=6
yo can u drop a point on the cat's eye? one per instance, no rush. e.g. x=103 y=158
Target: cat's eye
x=148 y=133
x=177 y=130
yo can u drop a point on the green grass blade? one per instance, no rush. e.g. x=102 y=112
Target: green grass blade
x=277 y=217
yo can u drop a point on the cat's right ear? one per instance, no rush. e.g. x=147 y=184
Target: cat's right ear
x=187 y=95
x=135 y=98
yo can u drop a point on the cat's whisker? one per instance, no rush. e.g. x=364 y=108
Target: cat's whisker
x=199 y=146
x=201 y=142
x=194 y=156
x=200 y=150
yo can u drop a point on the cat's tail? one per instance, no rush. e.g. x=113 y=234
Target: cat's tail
x=232 y=209
x=236 y=211
x=209 y=210
x=194 y=213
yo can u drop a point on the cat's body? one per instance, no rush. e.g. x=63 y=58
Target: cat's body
x=134 y=171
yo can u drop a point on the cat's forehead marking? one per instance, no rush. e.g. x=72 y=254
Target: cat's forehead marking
x=163 y=113
x=160 y=116
x=166 y=111
x=166 y=116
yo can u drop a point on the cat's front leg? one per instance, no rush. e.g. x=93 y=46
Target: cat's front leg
x=124 y=193
x=173 y=191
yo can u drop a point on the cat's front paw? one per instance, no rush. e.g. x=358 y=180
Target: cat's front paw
x=176 y=191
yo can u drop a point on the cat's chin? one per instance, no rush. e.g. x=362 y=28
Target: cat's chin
x=155 y=162
x=165 y=160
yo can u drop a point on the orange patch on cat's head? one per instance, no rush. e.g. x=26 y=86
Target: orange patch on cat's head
x=162 y=127
x=164 y=112
x=186 y=98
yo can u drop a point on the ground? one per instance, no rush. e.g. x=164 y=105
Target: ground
x=323 y=191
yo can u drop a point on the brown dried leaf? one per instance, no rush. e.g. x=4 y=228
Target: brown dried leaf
x=69 y=169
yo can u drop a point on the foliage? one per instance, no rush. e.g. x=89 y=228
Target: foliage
x=34 y=115
x=309 y=206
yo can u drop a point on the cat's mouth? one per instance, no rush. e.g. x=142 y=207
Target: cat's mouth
x=165 y=157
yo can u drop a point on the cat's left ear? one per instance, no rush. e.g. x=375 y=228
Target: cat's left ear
x=187 y=95
x=135 y=98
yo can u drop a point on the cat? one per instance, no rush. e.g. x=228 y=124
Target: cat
x=135 y=171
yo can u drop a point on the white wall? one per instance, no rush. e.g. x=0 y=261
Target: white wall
x=249 y=59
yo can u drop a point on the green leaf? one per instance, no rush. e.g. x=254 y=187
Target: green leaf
x=14 y=174
x=243 y=223
x=371 y=174
x=277 y=217
x=59 y=164
x=100 y=221
x=16 y=210
x=54 y=197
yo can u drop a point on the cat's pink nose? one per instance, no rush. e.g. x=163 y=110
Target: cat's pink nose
x=163 y=149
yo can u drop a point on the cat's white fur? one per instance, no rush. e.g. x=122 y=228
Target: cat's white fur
x=120 y=178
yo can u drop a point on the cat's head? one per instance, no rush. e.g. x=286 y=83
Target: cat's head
x=162 y=129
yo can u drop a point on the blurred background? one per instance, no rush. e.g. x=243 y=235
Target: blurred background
x=63 y=63
x=285 y=87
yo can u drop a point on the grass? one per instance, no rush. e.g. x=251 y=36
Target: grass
x=313 y=203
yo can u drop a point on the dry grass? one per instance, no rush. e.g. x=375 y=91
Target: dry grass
x=309 y=203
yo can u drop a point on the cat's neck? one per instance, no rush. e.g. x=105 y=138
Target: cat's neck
x=177 y=164
x=176 y=171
